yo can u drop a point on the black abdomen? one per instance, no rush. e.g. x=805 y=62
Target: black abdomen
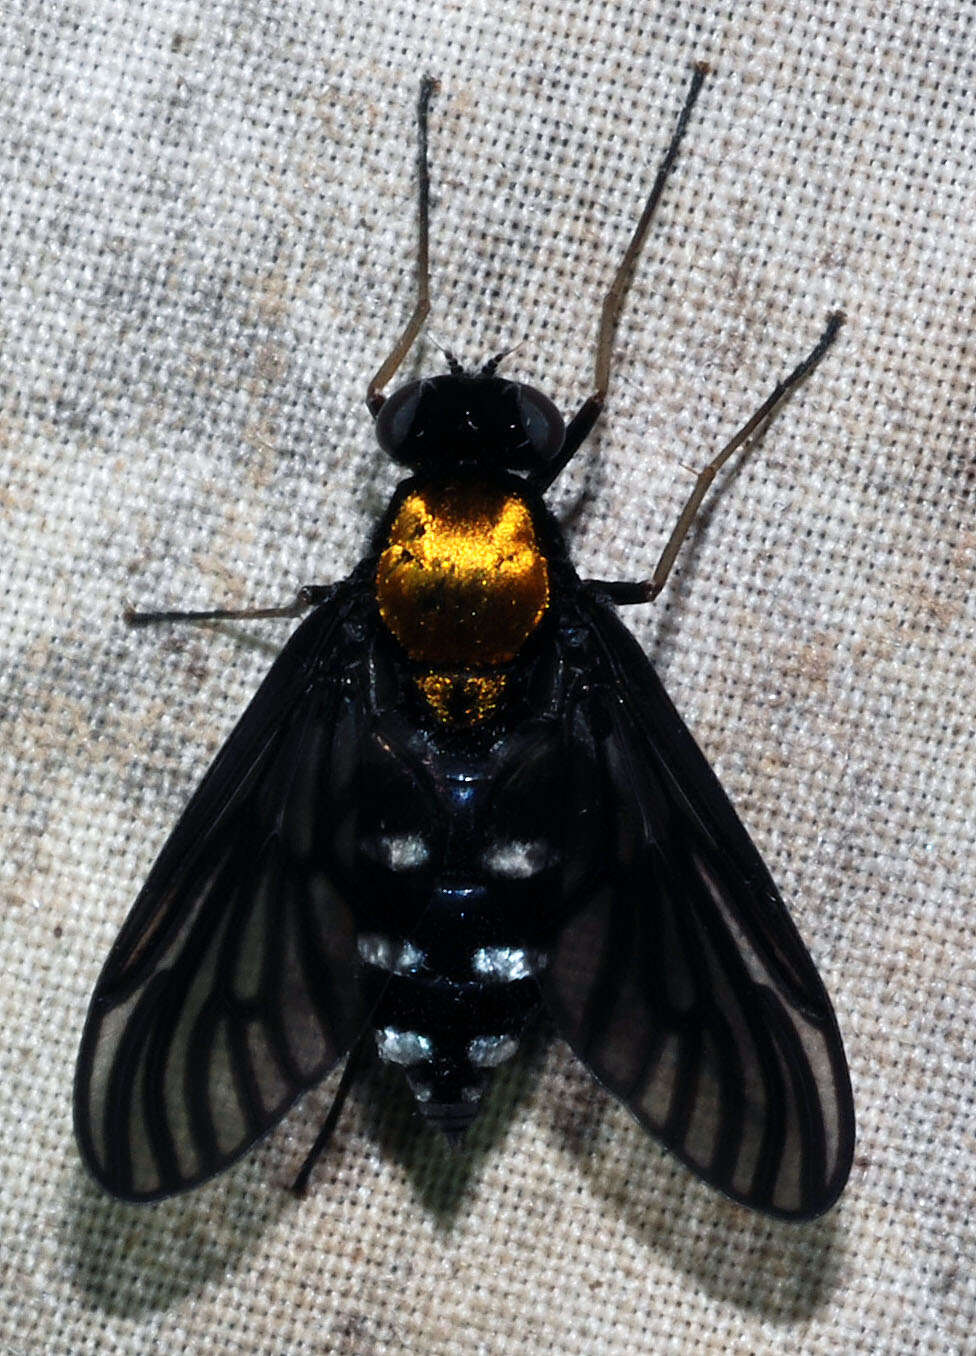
x=450 y=1005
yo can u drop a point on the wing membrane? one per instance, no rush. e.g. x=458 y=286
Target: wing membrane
x=232 y=986
x=681 y=980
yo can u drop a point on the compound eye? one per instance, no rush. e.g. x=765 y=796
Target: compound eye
x=541 y=421
x=397 y=427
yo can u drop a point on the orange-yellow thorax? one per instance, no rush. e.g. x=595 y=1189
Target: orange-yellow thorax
x=462 y=583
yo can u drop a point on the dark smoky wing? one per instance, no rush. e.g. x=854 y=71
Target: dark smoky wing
x=232 y=985
x=681 y=980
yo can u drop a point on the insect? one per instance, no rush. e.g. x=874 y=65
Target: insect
x=462 y=796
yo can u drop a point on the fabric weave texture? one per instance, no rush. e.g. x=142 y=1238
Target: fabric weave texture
x=207 y=222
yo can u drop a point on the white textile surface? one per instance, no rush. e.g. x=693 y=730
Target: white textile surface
x=206 y=246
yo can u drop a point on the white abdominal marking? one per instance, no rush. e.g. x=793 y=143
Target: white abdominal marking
x=401 y=851
x=403 y=1047
x=485 y=1052
x=505 y=964
x=516 y=860
x=389 y=953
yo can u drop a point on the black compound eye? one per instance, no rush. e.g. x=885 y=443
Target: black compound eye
x=397 y=423
x=541 y=422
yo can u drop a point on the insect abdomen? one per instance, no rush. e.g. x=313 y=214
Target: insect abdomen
x=450 y=1009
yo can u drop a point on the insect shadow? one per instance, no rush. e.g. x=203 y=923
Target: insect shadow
x=790 y=1274
x=130 y=1261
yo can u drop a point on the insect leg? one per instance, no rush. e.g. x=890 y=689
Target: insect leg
x=588 y=413
x=386 y=369
x=310 y=595
x=354 y=1064
x=645 y=591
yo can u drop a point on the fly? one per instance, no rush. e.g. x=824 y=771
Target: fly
x=462 y=796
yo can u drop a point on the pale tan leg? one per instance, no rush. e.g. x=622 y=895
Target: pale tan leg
x=586 y=416
x=386 y=369
x=308 y=596
x=645 y=591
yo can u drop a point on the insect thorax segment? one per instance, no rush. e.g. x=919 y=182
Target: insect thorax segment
x=462 y=583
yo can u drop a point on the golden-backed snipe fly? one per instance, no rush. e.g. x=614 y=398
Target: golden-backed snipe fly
x=462 y=796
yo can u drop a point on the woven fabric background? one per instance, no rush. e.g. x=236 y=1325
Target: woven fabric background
x=206 y=246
